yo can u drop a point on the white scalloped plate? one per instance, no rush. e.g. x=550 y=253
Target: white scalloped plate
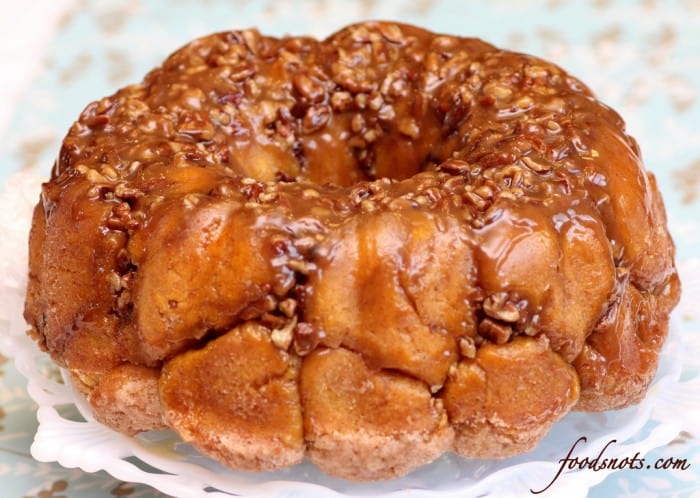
x=68 y=434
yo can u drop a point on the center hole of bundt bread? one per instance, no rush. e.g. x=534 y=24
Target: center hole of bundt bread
x=353 y=146
x=347 y=110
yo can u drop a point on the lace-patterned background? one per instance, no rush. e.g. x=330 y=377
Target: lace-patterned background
x=641 y=57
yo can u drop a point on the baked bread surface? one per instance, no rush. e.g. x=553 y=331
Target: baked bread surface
x=373 y=248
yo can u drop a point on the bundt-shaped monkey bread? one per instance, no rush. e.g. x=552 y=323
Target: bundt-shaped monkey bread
x=367 y=250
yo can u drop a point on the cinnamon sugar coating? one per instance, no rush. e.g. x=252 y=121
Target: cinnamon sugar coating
x=376 y=247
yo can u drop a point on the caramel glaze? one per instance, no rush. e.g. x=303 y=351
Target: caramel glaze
x=410 y=197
